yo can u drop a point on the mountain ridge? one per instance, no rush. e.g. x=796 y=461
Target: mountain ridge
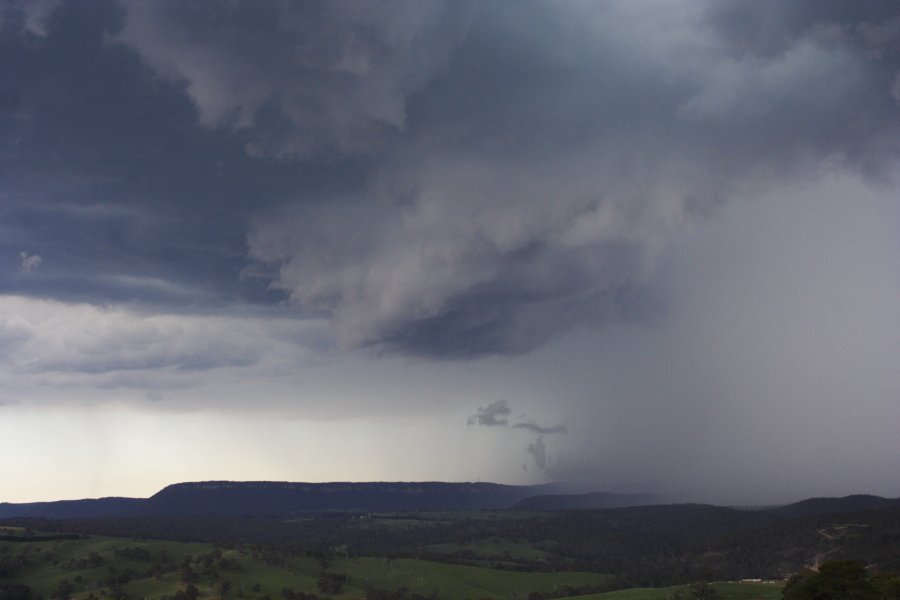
x=833 y=505
x=286 y=498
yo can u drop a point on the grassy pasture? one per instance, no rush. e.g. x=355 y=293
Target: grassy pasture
x=45 y=567
x=47 y=563
x=455 y=581
x=493 y=548
x=429 y=518
x=725 y=590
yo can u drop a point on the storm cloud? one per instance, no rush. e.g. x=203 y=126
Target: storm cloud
x=298 y=79
x=441 y=180
x=644 y=222
x=544 y=204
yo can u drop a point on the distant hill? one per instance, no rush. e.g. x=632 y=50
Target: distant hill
x=279 y=499
x=219 y=498
x=75 y=509
x=267 y=498
x=590 y=501
x=833 y=506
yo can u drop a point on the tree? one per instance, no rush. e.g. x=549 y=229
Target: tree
x=331 y=583
x=17 y=591
x=64 y=590
x=224 y=587
x=188 y=574
x=835 y=580
x=189 y=593
x=703 y=591
x=887 y=585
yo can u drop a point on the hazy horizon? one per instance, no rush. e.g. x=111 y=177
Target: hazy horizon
x=637 y=245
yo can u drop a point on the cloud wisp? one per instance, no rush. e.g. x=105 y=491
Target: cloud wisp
x=29 y=262
x=497 y=414
x=493 y=415
x=534 y=427
x=538 y=452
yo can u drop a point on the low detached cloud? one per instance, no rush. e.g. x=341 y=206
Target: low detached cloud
x=496 y=414
x=533 y=427
x=493 y=415
x=29 y=262
x=538 y=452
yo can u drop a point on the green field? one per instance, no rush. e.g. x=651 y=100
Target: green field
x=435 y=518
x=9 y=530
x=456 y=581
x=153 y=570
x=724 y=591
x=493 y=548
x=46 y=562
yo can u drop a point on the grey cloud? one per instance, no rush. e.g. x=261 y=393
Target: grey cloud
x=544 y=171
x=150 y=381
x=465 y=180
x=14 y=333
x=29 y=262
x=538 y=451
x=117 y=347
x=780 y=329
x=770 y=27
x=52 y=351
x=533 y=427
x=143 y=347
x=203 y=181
x=298 y=79
x=497 y=414
x=111 y=179
x=36 y=15
x=494 y=414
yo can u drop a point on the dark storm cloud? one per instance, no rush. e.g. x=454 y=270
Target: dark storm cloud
x=110 y=178
x=439 y=179
x=770 y=27
x=543 y=171
x=299 y=78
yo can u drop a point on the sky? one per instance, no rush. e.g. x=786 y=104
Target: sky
x=636 y=246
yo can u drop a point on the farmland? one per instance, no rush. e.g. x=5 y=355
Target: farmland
x=98 y=567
